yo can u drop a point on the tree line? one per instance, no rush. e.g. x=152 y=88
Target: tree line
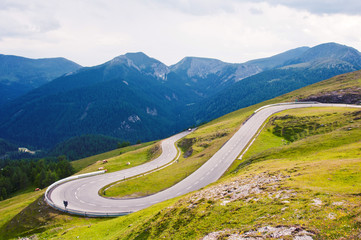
x=86 y=145
x=18 y=175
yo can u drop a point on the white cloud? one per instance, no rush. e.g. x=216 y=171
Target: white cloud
x=92 y=32
x=201 y=7
x=350 y=7
x=22 y=21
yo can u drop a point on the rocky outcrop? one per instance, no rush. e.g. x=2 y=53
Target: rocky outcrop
x=267 y=232
x=348 y=96
x=246 y=189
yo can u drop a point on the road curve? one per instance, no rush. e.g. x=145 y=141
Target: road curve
x=82 y=194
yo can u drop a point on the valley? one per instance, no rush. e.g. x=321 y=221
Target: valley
x=300 y=183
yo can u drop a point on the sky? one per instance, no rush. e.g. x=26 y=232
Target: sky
x=91 y=32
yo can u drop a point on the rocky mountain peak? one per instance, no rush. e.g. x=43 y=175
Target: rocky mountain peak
x=330 y=51
x=142 y=63
x=196 y=66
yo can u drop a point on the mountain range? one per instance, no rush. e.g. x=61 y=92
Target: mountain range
x=135 y=97
x=19 y=75
x=310 y=66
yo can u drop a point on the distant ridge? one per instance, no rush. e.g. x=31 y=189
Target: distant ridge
x=19 y=75
x=135 y=97
x=310 y=66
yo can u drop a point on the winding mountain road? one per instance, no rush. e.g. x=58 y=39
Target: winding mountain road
x=82 y=194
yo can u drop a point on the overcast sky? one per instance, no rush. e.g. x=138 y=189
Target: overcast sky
x=91 y=32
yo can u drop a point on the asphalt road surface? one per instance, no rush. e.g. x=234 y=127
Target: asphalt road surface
x=82 y=194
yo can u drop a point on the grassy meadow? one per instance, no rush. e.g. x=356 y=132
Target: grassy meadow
x=302 y=171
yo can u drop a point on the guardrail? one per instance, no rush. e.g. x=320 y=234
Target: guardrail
x=88 y=214
x=288 y=103
x=276 y=104
x=285 y=103
x=52 y=204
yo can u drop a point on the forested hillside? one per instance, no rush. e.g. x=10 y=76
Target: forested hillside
x=6 y=147
x=111 y=99
x=19 y=75
x=86 y=145
x=135 y=97
x=18 y=175
x=315 y=64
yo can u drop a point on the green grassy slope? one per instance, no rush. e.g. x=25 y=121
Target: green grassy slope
x=200 y=146
x=87 y=164
x=308 y=179
x=311 y=183
x=215 y=135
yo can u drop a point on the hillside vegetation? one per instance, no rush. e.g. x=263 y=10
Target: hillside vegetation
x=85 y=146
x=310 y=187
x=301 y=177
x=19 y=75
x=20 y=175
x=135 y=97
x=6 y=147
x=88 y=161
